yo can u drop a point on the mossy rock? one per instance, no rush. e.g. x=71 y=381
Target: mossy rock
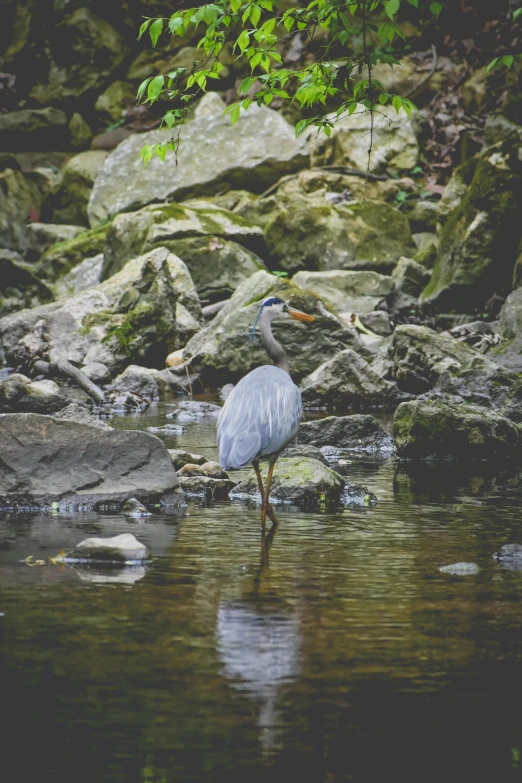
x=480 y=237
x=19 y=198
x=437 y=430
x=302 y=481
x=64 y=256
x=311 y=234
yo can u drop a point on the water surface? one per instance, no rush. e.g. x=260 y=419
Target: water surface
x=350 y=658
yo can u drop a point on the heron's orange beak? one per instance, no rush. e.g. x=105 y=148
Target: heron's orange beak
x=299 y=316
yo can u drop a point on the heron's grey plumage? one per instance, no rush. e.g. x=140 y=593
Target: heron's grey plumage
x=260 y=416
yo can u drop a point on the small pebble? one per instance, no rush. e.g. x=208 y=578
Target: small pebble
x=460 y=569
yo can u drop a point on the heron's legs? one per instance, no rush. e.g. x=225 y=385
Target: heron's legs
x=266 y=506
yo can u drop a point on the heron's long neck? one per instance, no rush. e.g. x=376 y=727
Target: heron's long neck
x=272 y=347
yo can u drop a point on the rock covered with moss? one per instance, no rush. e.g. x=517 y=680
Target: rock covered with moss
x=219 y=247
x=137 y=315
x=510 y=327
x=297 y=480
x=438 y=430
x=311 y=233
x=481 y=232
x=223 y=351
x=63 y=257
x=18 y=394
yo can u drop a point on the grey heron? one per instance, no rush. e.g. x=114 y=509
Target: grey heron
x=262 y=413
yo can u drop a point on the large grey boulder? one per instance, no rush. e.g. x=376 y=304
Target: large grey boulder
x=212 y=156
x=137 y=315
x=355 y=433
x=480 y=236
x=349 y=292
x=345 y=381
x=437 y=430
x=86 y=275
x=297 y=480
x=222 y=351
x=46 y=461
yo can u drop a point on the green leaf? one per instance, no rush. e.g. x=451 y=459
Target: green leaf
x=146 y=153
x=170 y=119
x=142 y=88
x=289 y=23
x=517 y=12
x=234 y=114
x=299 y=128
x=175 y=23
x=155 y=87
x=235 y=5
x=414 y=3
x=243 y=40
x=145 y=25
x=391 y=7
x=508 y=60
x=435 y=9
x=255 y=15
x=155 y=31
x=161 y=151
x=492 y=64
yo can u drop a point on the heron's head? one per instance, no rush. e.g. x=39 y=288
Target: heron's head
x=273 y=307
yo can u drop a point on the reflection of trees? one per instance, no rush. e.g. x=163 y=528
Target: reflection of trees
x=260 y=652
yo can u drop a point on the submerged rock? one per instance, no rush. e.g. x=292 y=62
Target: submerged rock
x=298 y=480
x=261 y=148
x=355 y=433
x=77 y=466
x=206 y=487
x=193 y=410
x=357 y=495
x=133 y=508
x=437 y=430
x=460 y=569
x=124 y=549
x=347 y=381
x=510 y=557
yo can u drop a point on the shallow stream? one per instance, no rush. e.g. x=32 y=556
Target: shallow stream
x=351 y=657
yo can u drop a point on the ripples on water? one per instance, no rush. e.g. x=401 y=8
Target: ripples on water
x=350 y=658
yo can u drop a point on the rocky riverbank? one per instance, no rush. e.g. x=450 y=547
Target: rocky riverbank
x=121 y=284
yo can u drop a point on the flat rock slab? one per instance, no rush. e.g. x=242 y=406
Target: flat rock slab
x=48 y=461
x=124 y=549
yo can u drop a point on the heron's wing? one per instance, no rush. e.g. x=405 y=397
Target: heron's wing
x=260 y=416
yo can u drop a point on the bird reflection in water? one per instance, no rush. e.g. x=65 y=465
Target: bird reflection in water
x=260 y=650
